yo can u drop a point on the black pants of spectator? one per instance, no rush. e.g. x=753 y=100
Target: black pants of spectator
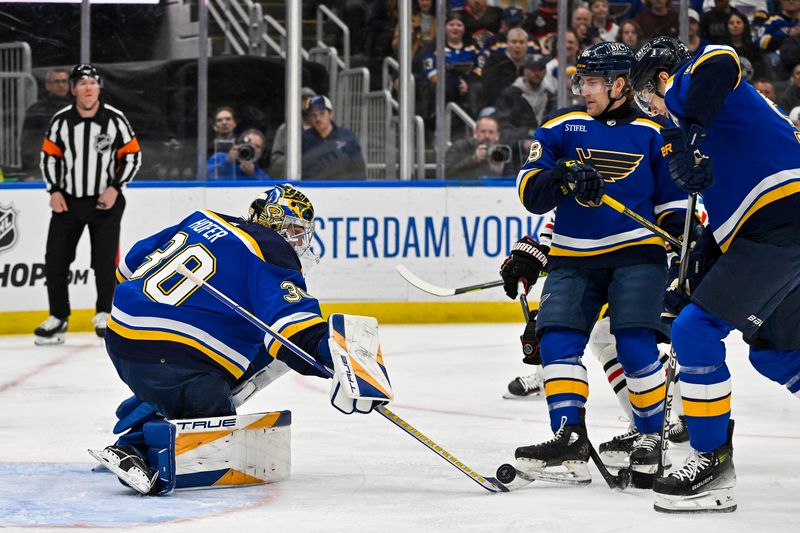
x=62 y=241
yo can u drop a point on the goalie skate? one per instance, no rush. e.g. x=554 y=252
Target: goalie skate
x=128 y=466
x=526 y=388
x=562 y=459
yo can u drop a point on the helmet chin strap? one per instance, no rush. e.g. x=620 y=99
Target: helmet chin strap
x=611 y=99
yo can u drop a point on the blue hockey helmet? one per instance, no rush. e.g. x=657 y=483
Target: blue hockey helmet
x=85 y=70
x=286 y=211
x=609 y=60
x=662 y=54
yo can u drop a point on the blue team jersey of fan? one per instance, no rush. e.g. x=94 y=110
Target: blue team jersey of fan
x=251 y=264
x=753 y=146
x=628 y=156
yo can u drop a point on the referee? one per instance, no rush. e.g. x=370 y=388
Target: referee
x=88 y=154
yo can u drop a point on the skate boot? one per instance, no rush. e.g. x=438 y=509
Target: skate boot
x=51 y=331
x=703 y=485
x=616 y=452
x=644 y=460
x=526 y=387
x=561 y=459
x=100 y=322
x=129 y=467
x=678 y=433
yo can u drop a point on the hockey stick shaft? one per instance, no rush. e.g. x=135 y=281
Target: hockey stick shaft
x=672 y=360
x=620 y=208
x=430 y=288
x=523 y=300
x=487 y=483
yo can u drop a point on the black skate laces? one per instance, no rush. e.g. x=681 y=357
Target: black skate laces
x=696 y=462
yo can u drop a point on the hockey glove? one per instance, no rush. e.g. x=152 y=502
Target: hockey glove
x=586 y=183
x=702 y=256
x=528 y=258
x=530 y=344
x=689 y=168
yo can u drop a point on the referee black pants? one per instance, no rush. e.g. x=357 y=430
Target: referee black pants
x=62 y=240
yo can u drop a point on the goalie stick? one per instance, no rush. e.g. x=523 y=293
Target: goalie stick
x=489 y=483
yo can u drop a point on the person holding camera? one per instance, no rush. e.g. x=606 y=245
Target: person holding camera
x=241 y=161
x=482 y=155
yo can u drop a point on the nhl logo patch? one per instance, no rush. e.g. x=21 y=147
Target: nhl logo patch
x=8 y=227
x=102 y=142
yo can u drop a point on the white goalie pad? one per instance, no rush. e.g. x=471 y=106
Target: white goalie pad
x=232 y=451
x=260 y=380
x=357 y=359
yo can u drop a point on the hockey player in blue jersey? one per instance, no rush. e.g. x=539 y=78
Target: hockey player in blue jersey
x=183 y=353
x=738 y=150
x=598 y=256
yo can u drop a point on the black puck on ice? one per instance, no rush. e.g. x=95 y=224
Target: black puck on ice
x=506 y=473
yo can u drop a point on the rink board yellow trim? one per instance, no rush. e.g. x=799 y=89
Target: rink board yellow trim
x=712 y=408
x=443 y=312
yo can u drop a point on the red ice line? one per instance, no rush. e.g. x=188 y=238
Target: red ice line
x=55 y=362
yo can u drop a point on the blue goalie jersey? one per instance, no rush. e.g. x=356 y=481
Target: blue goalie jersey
x=251 y=264
x=754 y=148
x=626 y=151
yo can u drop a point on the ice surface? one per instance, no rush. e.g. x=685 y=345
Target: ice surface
x=360 y=473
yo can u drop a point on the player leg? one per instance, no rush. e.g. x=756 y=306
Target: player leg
x=104 y=235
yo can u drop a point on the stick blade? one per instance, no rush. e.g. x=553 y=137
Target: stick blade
x=421 y=284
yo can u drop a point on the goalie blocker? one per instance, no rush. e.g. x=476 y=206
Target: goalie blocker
x=217 y=452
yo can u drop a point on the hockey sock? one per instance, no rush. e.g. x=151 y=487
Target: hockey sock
x=566 y=382
x=638 y=353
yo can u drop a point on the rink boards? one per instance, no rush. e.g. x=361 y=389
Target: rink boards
x=447 y=233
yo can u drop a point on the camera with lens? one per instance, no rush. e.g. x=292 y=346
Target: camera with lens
x=499 y=153
x=245 y=151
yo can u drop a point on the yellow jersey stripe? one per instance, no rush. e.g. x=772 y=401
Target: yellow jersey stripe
x=717 y=53
x=706 y=409
x=647 y=122
x=242 y=235
x=772 y=196
x=524 y=181
x=120 y=277
x=555 y=250
x=151 y=335
x=566 y=386
x=567 y=116
x=290 y=330
x=647 y=399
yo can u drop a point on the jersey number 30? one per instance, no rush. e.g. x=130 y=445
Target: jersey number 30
x=164 y=284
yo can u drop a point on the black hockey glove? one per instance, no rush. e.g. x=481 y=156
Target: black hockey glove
x=689 y=168
x=586 y=183
x=528 y=258
x=702 y=256
x=530 y=344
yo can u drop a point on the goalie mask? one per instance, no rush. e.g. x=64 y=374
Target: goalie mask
x=288 y=212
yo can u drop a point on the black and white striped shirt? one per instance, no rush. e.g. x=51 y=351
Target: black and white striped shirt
x=84 y=156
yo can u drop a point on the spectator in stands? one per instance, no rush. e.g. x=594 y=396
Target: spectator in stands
x=481 y=21
x=785 y=24
x=658 y=18
x=461 y=60
x=512 y=18
x=502 y=68
x=714 y=23
x=550 y=80
x=741 y=39
x=695 y=40
x=38 y=115
x=766 y=88
x=423 y=27
x=630 y=33
x=480 y=155
x=522 y=107
x=241 y=161
x=542 y=22
x=379 y=30
x=581 y=22
x=277 y=159
x=330 y=152
x=791 y=96
x=605 y=27
x=224 y=126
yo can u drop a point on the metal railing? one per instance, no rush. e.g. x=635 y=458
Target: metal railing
x=327 y=57
x=452 y=109
x=17 y=93
x=352 y=87
x=380 y=148
x=279 y=46
x=419 y=147
x=324 y=13
x=242 y=24
x=15 y=57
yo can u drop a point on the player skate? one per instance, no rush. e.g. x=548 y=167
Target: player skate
x=561 y=459
x=644 y=460
x=704 y=484
x=678 y=433
x=51 y=331
x=616 y=453
x=528 y=387
x=128 y=466
x=100 y=321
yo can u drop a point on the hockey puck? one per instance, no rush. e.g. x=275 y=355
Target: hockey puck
x=506 y=473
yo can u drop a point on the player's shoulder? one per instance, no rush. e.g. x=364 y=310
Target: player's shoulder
x=565 y=114
x=711 y=51
x=655 y=123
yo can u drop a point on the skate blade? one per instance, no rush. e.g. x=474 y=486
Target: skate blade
x=137 y=480
x=49 y=341
x=568 y=473
x=615 y=459
x=526 y=397
x=712 y=501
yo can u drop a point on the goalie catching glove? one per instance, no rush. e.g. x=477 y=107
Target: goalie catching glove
x=360 y=381
x=527 y=259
